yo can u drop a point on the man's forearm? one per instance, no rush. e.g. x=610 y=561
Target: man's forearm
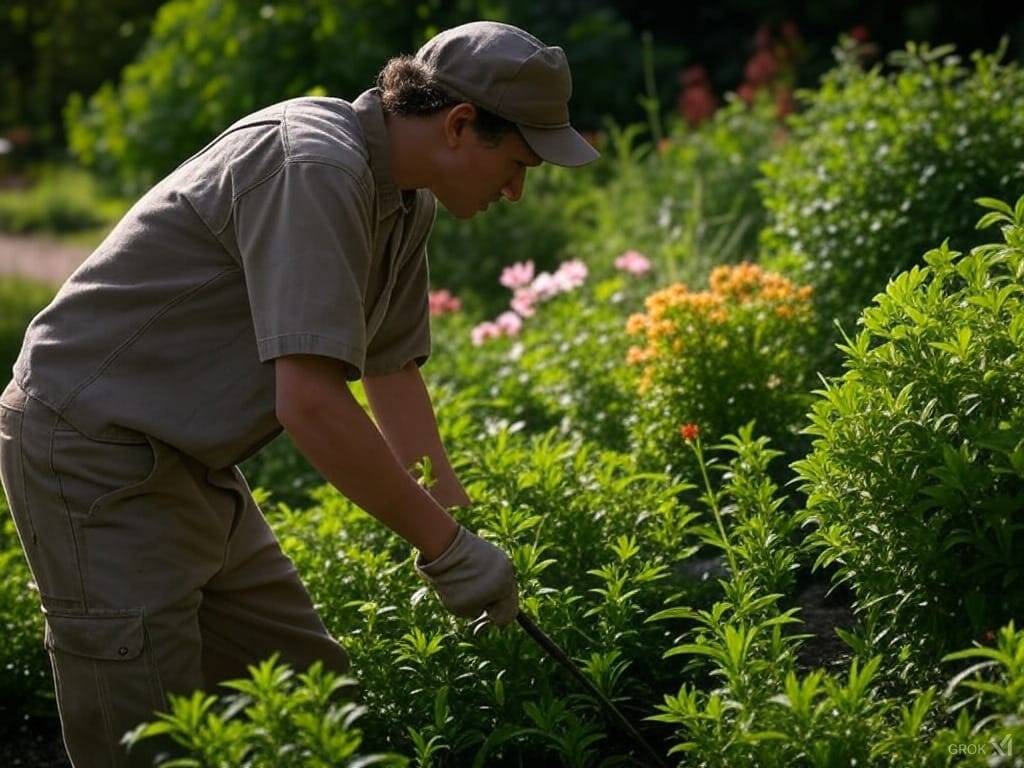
x=317 y=408
x=403 y=410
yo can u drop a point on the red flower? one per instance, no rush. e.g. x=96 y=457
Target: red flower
x=860 y=33
x=689 y=432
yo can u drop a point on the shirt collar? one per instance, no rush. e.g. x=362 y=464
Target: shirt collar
x=371 y=117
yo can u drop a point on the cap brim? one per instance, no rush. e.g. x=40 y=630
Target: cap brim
x=560 y=146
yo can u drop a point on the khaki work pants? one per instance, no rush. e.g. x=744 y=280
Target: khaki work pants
x=157 y=575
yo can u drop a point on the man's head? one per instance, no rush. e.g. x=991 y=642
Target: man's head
x=513 y=75
x=501 y=97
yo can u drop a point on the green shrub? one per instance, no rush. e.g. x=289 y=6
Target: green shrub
x=20 y=301
x=917 y=467
x=881 y=166
x=208 y=63
x=688 y=202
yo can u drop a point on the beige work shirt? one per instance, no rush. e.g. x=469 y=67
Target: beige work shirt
x=285 y=235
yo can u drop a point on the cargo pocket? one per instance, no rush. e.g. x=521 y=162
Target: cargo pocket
x=105 y=679
x=110 y=637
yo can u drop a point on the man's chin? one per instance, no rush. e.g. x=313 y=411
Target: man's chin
x=463 y=214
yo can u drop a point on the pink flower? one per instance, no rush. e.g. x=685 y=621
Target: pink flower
x=523 y=302
x=518 y=275
x=442 y=302
x=544 y=286
x=633 y=262
x=571 y=274
x=483 y=332
x=509 y=323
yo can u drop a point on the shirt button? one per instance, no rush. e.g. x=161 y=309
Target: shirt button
x=122 y=651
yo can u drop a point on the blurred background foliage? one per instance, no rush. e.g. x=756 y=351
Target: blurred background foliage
x=136 y=85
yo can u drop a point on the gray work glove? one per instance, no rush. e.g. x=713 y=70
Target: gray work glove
x=473 y=576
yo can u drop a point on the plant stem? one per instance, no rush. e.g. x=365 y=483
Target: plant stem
x=713 y=503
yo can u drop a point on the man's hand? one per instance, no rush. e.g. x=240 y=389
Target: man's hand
x=473 y=576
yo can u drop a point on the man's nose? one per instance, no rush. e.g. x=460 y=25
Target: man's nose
x=513 y=191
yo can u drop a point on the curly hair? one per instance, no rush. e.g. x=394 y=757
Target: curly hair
x=408 y=88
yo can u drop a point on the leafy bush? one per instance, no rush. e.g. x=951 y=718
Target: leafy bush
x=882 y=165
x=207 y=64
x=917 y=467
x=720 y=358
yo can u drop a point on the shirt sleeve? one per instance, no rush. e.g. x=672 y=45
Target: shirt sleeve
x=305 y=240
x=404 y=334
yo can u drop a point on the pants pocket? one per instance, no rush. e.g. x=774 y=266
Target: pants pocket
x=106 y=682
x=91 y=473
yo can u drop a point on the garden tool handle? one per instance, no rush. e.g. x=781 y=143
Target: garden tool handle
x=552 y=648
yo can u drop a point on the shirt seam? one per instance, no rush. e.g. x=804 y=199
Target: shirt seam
x=132 y=338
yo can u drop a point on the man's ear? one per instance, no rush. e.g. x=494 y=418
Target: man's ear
x=457 y=122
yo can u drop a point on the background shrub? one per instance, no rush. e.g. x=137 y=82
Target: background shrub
x=207 y=63
x=883 y=164
x=917 y=468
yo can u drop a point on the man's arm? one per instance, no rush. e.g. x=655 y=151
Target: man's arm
x=403 y=410
x=317 y=408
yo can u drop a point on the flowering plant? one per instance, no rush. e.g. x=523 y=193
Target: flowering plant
x=722 y=356
x=529 y=290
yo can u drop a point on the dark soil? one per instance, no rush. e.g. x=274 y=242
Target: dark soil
x=33 y=743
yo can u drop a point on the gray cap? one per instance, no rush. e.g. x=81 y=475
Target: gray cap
x=511 y=73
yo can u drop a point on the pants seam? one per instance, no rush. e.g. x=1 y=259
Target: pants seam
x=72 y=525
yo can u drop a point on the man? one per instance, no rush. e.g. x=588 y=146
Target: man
x=238 y=297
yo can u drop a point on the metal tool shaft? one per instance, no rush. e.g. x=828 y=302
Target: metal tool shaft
x=552 y=648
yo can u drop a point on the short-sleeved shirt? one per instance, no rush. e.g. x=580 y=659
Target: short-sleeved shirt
x=285 y=235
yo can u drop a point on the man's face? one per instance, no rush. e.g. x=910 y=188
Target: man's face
x=479 y=175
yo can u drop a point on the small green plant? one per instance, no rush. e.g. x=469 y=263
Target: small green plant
x=917 y=468
x=277 y=718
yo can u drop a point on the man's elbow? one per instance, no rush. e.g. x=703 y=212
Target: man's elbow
x=304 y=387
